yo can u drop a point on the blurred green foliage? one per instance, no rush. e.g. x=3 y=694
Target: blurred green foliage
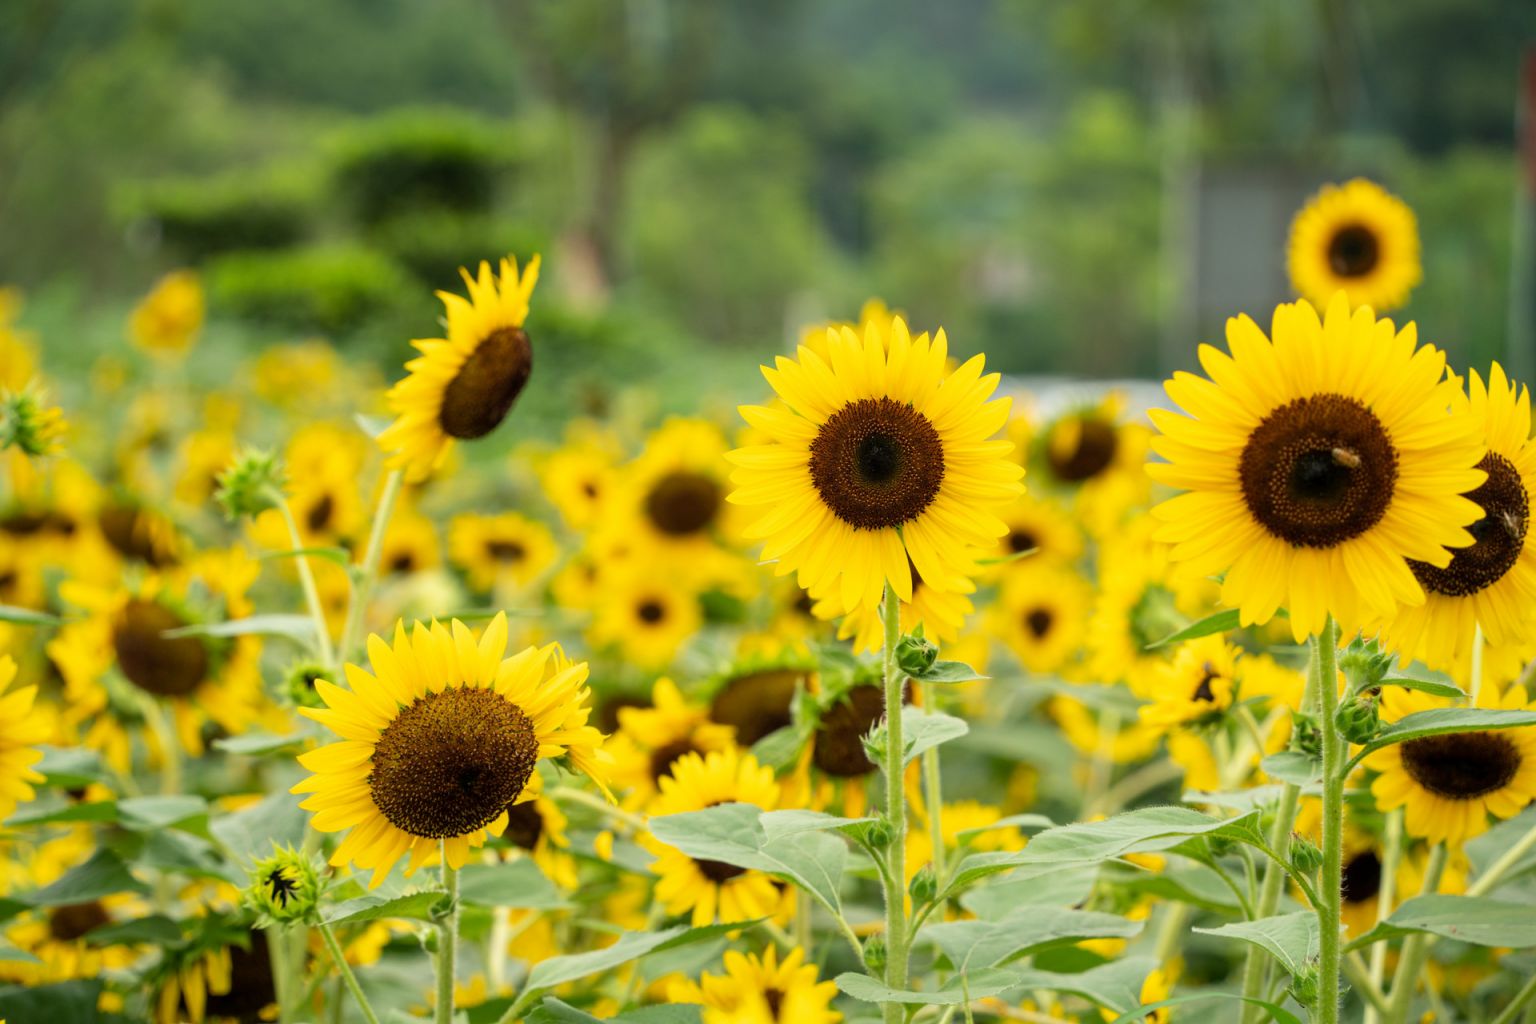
x=709 y=173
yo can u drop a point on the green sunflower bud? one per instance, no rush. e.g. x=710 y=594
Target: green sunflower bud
x=284 y=887
x=1308 y=737
x=924 y=886
x=1358 y=719
x=247 y=486
x=915 y=655
x=28 y=423
x=1305 y=856
x=300 y=683
x=874 y=955
x=878 y=835
x=1364 y=664
x=1304 y=985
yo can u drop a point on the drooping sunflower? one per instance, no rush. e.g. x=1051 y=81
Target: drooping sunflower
x=1492 y=582
x=756 y=696
x=1357 y=238
x=1449 y=784
x=879 y=457
x=461 y=387
x=440 y=741
x=706 y=889
x=21 y=729
x=1316 y=465
x=507 y=548
x=761 y=990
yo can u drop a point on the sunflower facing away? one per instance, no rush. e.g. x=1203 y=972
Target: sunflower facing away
x=879 y=457
x=440 y=741
x=1357 y=238
x=1449 y=784
x=1492 y=582
x=461 y=387
x=1317 y=464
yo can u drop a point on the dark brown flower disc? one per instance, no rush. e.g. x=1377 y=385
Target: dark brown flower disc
x=525 y=825
x=1353 y=251
x=155 y=663
x=1497 y=538
x=1462 y=765
x=1361 y=878
x=877 y=463
x=756 y=704
x=75 y=920
x=479 y=396
x=682 y=503
x=1097 y=442
x=838 y=748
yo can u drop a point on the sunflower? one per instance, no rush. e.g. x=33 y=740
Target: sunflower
x=167 y=321
x=1316 y=465
x=710 y=890
x=672 y=497
x=1094 y=455
x=21 y=729
x=881 y=457
x=756 y=696
x=462 y=387
x=939 y=613
x=1039 y=530
x=1039 y=614
x=1357 y=238
x=410 y=545
x=1492 y=582
x=761 y=990
x=1197 y=686
x=579 y=476
x=651 y=738
x=537 y=827
x=647 y=617
x=1449 y=784
x=502 y=549
x=440 y=741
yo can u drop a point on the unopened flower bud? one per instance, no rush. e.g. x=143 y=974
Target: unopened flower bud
x=924 y=886
x=1309 y=738
x=874 y=955
x=246 y=486
x=1357 y=718
x=284 y=887
x=1305 y=856
x=301 y=680
x=915 y=655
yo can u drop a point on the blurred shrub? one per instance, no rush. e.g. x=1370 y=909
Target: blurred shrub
x=718 y=226
x=196 y=218
x=434 y=244
x=333 y=289
x=417 y=158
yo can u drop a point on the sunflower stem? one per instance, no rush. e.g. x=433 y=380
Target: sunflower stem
x=1498 y=869
x=1330 y=894
x=277 y=956
x=306 y=579
x=1256 y=962
x=1512 y=1011
x=895 y=813
x=447 y=942
x=368 y=570
x=1415 y=949
x=348 y=978
x=933 y=793
x=1385 y=900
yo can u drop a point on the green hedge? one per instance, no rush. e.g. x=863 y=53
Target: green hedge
x=434 y=244
x=202 y=217
x=332 y=289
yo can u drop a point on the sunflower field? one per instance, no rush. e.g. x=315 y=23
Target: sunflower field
x=583 y=651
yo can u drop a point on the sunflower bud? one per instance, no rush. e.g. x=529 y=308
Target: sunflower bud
x=924 y=886
x=1358 y=719
x=1305 y=856
x=1304 y=985
x=28 y=423
x=1364 y=664
x=300 y=683
x=915 y=655
x=874 y=955
x=878 y=835
x=1308 y=738
x=247 y=485
x=284 y=887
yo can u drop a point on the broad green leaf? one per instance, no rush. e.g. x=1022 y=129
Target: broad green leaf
x=9 y=954
x=1487 y=848
x=973 y=945
x=1440 y=721
x=517 y=883
x=921 y=730
x=27 y=617
x=52 y=813
x=1197 y=885
x=632 y=945
x=299 y=628
x=554 y=1011
x=1116 y=986
x=258 y=743
x=1020 y=821
x=70 y=767
x=1292 y=939
x=1142 y=1013
x=1478 y=920
x=1042 y=885
x=1245 y=800
x=989 y=981
x=155 y=930
x=1219 y=622
x=949 y=672
x=248 y=834
x=152 y=813
x=779 y=749
x=103 y=875
x=417 y=906
x=72 y=1001
x=1292 y=766
x=1440 y=687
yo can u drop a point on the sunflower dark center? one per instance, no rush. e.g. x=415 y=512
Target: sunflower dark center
x=1038 y=621
x=1020 y=541
x=1462 y=765
x=1204 y=691
x=1097 y=441
x=774 y=997
x=1318 y=471
x=525 y=825
x=1361 y=879
x=281 y=886
x=877 y=463
x=251 y=988
x=75 y=920
x=403 y=562
x=1353 y=251
x=158 y=664
x=651 y=611
x=320 y=513
x=838 y=748
x=718 y=871
x=477 y=399
x=451 y=762
x=682 y=503
x=1498 y=537
x=756 y=704
x=663 y=757
x=129 y=531
x=506 y=550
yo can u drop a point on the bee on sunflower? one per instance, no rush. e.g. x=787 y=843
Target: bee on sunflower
x=1315 y=463
x=461 y=387
x=877 y=458
x=439 y=742
x=1357 y=238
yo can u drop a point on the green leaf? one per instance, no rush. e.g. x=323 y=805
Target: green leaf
x=554 y=1011
x=27 y=616
x=791 y=844
x=70 y=767
x=1292 y=766
x=258 y=743
x=1116 y=986
x=153 y=813
x=103 y=875
x=517 y=883
x=1043 y=885
x=973 y=945
x=52 y=814
x=248 y=834
x=1219 y=622
x=72 y=1001
x=1292 y=939
x=341 y=556
x=1487 y=848
x=1438 y=687
x=418 y=906
x=1012 y=821
x=988 y=981
x=949 y=672
x=779 y=749
x=922 y=730
x=299 y=628
x=632 y=945
x=1478 y=920
x=1439 y=721
x=1141 y=1013
x=155 y=930
x=9 y=954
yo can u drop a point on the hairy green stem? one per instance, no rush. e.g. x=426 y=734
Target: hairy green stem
x=447 y=942
x=895 y=813
x=1415 y=949
x=933 y=793
x=347 y=977
x=367 y=572
x=1330 y=894
x=1386 y=898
